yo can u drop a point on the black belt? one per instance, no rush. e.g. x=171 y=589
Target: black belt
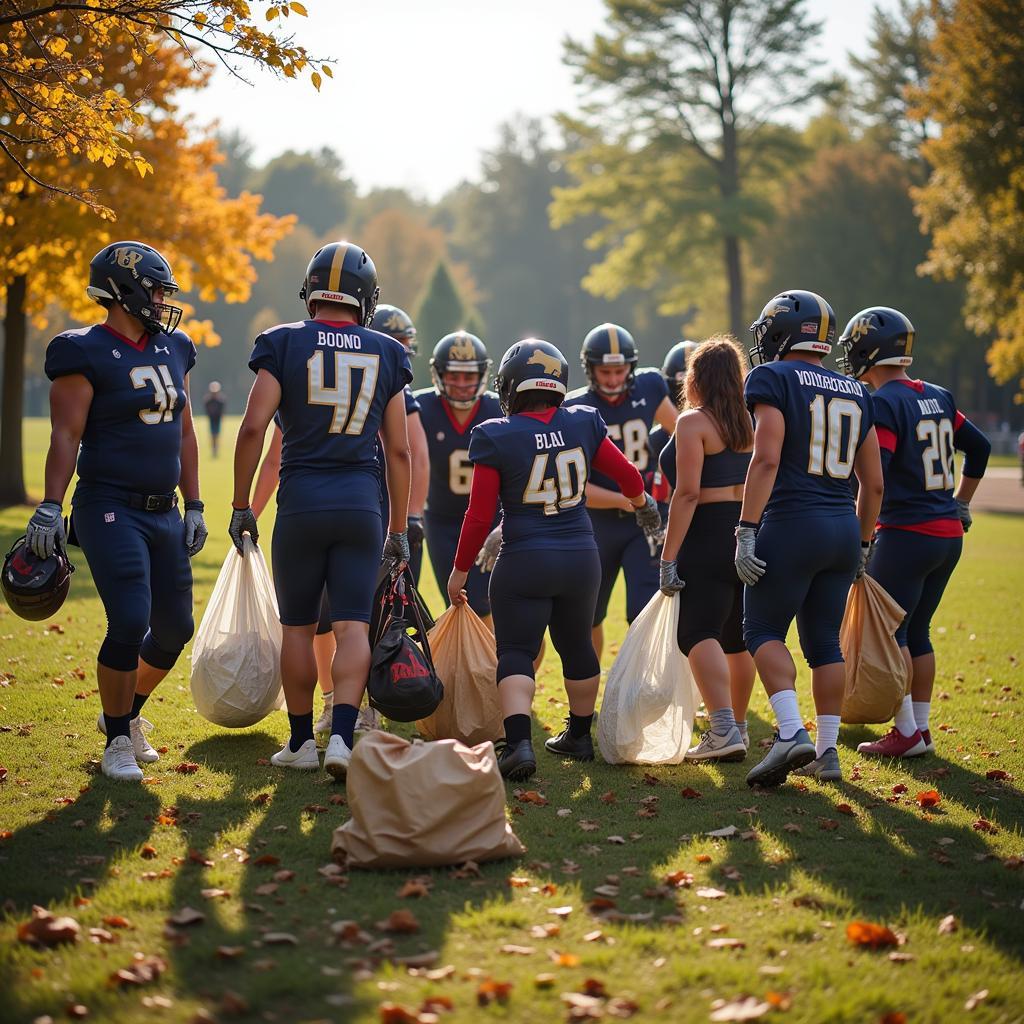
x=152 y=502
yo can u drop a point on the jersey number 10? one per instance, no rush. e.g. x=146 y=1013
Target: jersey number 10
x=828 y=454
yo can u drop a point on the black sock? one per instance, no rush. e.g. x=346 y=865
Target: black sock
x=517 y=728
x=579 y=725
x=137 y=701
x=117 y=725
x=343 y=722
x=302 y=730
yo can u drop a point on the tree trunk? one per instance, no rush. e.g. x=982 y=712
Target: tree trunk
x=734 y=274
x=12 y=474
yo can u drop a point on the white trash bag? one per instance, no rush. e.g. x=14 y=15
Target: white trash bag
x=236 y=657
x=649 y=699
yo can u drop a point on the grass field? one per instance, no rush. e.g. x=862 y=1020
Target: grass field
x=806 y=861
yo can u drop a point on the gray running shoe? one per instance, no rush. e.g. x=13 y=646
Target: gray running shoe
x=369 y=719
x=716 y=746
x=784 y=757
x=825 y=768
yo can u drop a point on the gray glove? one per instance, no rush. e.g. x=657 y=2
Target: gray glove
x=648 y=515
x=396 y=550
x=749 y=567
x=195 y=528
x=242 y=521
x=489 y=552
x=415 y=531
x=670 y=583
x=866 y=551
x=45 y=531
x=963 y=510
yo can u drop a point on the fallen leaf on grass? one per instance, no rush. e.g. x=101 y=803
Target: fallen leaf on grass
x=186 y=768
x=229 y=952
x=513 y=950
x=928 y=798
x=544 y=981
x=845 y=809
x=148 y=852
x=594 y=987
x=491 y=991
x=268 y=860
x=214 y=894
x=779 y=1000
x=186 y=916
x=703 y=858
x=723 y=833
x=284 y=875
x=899 y=788
x=948 y=925
x=266 y=889
x=984 y=825
x=261 y=798
x=101 y=936
x=690 y=794
x=393 y=1013
x=434 y=1003
x=875 y=936
x=43 y=929
x=195 y=857
x=77 y=1011
x=518 y=882
x=738 y=1009
x=679 y=879
x=280 y=939
x=233 y=1004
x=607 y=798
x=901 y=958
x=400 y=922
x=711 y=894
x=828 y=824
x=616 y=840
x=116 y=921
x=726 y=944
x=791 y=826
x=414 y=888
x=560 y=911
x=564 y=959
x=621 y=1007
x=141 y=971
x=545 y=931
x=531 y=796
x=976 y=999
x=588 y=826
x=997 y=775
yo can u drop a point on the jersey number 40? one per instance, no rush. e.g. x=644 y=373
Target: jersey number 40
x=571 y=477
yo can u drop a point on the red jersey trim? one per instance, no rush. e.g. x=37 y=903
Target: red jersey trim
x=137 y=345
x=933 y=528
x=544 y=415
x=886 y=438
x=958 y=421
x=914 y=385
x=336 y=323
x=459 y=428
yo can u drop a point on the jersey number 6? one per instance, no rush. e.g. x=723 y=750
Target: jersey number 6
x=540 y=490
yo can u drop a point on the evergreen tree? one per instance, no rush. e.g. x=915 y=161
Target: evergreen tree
x=439 y=312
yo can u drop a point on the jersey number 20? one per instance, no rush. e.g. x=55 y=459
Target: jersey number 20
x=542 y=489
x=346 y=417
x=938 y=456
x=828 y=454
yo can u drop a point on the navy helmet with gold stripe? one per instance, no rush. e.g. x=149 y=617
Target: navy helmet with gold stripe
x=793 y=321
x=341 y=272
x=609 y=345
x=876 y=336
x=397 y=324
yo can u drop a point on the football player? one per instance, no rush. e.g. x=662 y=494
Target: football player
x=119 y=405
x=673 y=369
x=335 y=384
x=923 y=520
x=458 y=401
x=706 y=464
x=537 y=459
x=631 y=401
x=799 y=542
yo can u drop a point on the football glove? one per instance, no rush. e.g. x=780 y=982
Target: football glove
x=670 y=583
x=242 y=521
x=195 y=527
x=45 y=531
x=396 y=550
x=489 y=552
x=749 y=567
x=963 y=510
x=648 y=518
x=415 y=531
x=867 y=549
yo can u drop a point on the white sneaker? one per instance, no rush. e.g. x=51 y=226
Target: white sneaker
x=368 y=719
x=119 y=761
x=337 y=758
x=305 y=759
x=326 y=719
x=715 y=746
x=137 y=728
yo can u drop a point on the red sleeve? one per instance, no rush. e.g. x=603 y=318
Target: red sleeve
x=886 y=438
x=610 y=461
x=483 y=503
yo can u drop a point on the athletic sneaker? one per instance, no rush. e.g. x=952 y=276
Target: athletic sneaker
x=926 y=735
x=783 y=757
x=305 y=759
x=895 y=744
x=323 y=723
x=717 y=746
x=337 y=758
x=137 y=729
x=518 y=762
x=577 y=748
x=368 y=719
x=825 y=768
x=119 y=761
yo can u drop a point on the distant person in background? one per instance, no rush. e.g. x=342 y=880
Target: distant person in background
x=1020 y=453
x=214 y=404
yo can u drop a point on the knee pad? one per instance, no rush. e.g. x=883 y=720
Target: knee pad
x=515 y=662
x=118 y=655
x=164 y=652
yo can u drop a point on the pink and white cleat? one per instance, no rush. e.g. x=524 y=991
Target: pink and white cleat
x=895 y=744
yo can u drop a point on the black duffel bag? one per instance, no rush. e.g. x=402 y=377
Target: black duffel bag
x=403 y=685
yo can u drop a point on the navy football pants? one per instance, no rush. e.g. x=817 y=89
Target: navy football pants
x=810 y=566
x=545 y=589
x=142 y=574
x=915 y=569
x=442 y=543
x=339 y=549
x=621 y=545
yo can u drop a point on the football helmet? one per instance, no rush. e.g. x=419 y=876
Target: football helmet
x=876 y=336
x=794 y=321
x=397 y=324
x=674 y=367
x=531 y=365
x=35 y=587
x=609 y=345
x=341 y=272
x=127 y=274
x=460 y=351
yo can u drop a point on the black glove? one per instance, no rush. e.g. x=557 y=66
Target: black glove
x=414 y=531
x=242 y=521
x=396 y=550
x=195 y=527
x=963 y=510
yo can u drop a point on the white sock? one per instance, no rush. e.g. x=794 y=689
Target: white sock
x=922 y=708
x=827 y=733
x=742 y=726
x=905 y=718
x=787 y=713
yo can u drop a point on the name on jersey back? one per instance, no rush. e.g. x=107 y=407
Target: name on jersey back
x=330 y=339
x=551 y=440
x=812 y=379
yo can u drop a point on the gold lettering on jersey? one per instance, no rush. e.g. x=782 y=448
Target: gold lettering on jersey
x=332 y=339
x=128 y=258
x=551 y=440
x=548 y=363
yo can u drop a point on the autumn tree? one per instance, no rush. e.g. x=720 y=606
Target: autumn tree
x=678 y=131
x=59 y=63
x=45 y=247
x=973 y=203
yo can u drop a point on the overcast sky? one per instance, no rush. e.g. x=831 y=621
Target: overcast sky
x=420 y=88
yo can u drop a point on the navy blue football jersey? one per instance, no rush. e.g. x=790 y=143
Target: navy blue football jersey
x=411 y=403
x=828 y=416
x=630 y=421
x=667 y=461
x=544 y=469
x=451 y=472
x=132 y=437
x=916 y=421
x=335 y=382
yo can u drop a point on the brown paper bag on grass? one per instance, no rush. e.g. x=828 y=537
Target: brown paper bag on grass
x=423 y=805
x=876 y=674
x=466 y=663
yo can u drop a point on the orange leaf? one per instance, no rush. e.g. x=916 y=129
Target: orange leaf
x=703 y=858
x=493 y=991
x=690 y=793
x=186 y=768
x=928 y=798
x=864 y=933
x=414 y=888
x=531 y=796
x=117 y=921
x=147 y=852
x=392 y=1013
x=845 y=809
x=268 y=860
x=565 y=959
x=984 y=825
x=593 y=987
x=46 y=930
x=402 y=922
